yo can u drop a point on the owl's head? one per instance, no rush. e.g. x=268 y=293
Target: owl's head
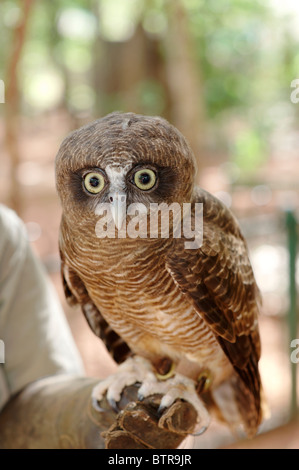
x=141 y=159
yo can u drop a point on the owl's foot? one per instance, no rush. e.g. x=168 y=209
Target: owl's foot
x=134 y=369
x=137 y=369
x=181 y=387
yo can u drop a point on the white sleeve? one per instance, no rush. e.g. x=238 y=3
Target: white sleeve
x=33 y=328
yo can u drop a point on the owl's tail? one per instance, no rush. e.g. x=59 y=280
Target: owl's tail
x=236 y=405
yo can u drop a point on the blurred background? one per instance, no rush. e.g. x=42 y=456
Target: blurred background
x=220 y=71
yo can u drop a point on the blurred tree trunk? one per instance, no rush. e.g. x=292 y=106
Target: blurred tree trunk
x=12 y=93
x=184 y=81
x=121 y=69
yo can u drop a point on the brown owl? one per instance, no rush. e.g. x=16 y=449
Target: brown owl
x=182 y=319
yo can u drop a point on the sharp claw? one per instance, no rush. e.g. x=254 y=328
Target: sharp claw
x=113 y=405
x=96 y=406
x=161 y=409
x=140 y=396
x=201 y=431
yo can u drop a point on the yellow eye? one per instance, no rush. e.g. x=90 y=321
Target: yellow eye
x=94 y=182
x=145 y=179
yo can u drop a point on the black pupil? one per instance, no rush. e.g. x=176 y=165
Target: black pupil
x=94 y=181
x=145 y=178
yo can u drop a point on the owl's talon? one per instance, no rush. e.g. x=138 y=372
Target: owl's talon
x=134 y=370
x=113 y=404
x=96 y=406
x=201 y=431
x=161 y=409
x=183 y=388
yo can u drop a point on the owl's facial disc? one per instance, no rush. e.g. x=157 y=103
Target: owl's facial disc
x=144 y=179
x=117 y=177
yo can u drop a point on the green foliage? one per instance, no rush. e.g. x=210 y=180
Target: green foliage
x=245 y=53
x=248 y=151
x=151 y=97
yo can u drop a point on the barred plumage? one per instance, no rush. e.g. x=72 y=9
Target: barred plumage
x=152 y=296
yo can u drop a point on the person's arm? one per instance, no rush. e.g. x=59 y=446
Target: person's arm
x=45 y=401
x=57 y=413
x=37 y=339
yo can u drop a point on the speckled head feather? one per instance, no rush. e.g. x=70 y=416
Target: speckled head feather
x=128 y=139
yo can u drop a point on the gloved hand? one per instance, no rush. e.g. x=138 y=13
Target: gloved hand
x=56 y=413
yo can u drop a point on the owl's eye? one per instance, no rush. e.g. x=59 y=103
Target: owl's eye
x=94 y=182
x=145 y=179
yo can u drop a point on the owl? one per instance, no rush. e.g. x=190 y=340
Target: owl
x=180 y=319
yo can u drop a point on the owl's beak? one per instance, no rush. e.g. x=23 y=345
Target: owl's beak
x=118 y=207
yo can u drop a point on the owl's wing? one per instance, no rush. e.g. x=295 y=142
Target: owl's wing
x=218 y=279
x=76 y=293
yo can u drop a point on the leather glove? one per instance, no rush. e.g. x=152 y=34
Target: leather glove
x=56 y=413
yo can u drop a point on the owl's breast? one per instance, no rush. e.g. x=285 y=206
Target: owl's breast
x=135 y=293
x=131 y=274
